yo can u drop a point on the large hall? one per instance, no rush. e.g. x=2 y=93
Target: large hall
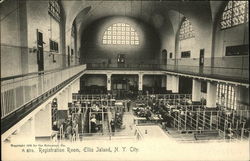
x=124 y=80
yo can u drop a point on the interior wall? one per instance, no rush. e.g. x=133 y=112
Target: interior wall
x=153 y=81
x=92 y=79
x=11 y=37
x=200 y=17
x=202 y=34
x=242 y=95
x=39 y=19
x=73 y=57
x=19 y=37
x=185 y=85
x=93 y=51
x=237 y=35
x=43 y=123
x=167 y=35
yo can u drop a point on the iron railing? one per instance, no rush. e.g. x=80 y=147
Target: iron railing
x=18 y=91
x=229 y=73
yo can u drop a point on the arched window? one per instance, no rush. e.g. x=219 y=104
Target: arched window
x=120 y=34
x=54 y=9
x=186 y=30
x=235 y=13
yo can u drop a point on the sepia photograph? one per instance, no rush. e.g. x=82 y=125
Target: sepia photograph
x=132 y=80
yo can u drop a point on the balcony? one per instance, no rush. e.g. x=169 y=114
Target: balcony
x=237 y=73
x=231 y=74
x=21 y=94
x=101 y=66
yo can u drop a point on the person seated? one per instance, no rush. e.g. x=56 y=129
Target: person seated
x=69 y=131
x=55 y=126
x=148 y=115
x=93 y=124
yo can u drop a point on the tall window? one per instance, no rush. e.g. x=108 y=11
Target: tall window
x=54 y=9
x=186 y=30
x=235 y=13
x=120 y=34
x=226 y=96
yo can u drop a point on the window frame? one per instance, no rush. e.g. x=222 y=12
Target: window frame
x=186 y=30
x=232 y=16
x=120 y=34
x=54 y=10
x=53 y=46
x=185 y=52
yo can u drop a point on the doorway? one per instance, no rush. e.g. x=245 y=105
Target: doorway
x=201 y=64
x=121 y=58
x=68 y=56
x=124 y=86
x=164 y=57
x=40 y=54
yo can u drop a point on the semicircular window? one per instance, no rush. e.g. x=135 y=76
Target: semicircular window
x=120 y=34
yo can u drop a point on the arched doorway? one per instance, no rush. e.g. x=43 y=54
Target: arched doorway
x=164 y=57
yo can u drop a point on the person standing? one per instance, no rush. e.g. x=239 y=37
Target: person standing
x=112 y=125
x=128 y=105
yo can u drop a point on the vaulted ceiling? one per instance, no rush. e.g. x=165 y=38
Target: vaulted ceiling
x=156 y=13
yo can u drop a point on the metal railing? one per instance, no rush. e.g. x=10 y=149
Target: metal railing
x=123 y=66
x=18 y=91
x=225 y=72
x=237 y=73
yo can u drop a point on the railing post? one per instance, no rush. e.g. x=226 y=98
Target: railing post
x=186 y=120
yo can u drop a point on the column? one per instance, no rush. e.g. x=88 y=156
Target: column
x=196 y=90
x=169 y=82
x=242 y=94
x=25 y=133
x=211 y=94
x=175 y=84
x=43 y=122
x=65 y=99
x=109 y=82
x=60 y=102
x=70 y=94
x=163 y=81
x=76 y=86
x=140 y=85
x=32 y=128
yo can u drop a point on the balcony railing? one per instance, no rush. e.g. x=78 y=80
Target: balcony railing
x=234 y=74
x=18 y=91
x=123 y=66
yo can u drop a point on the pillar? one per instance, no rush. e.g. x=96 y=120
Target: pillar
x=140 y=85
x=163 y=81
x=43 y=122
x=242 y=94
x=65 y=99
x=211 y=94
x=169 y=82
x=25 y=133
x=76 y=86
x=175 y=84
x=109 y=82
x=62 y=101
x=70 y=94
x=196 y=90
